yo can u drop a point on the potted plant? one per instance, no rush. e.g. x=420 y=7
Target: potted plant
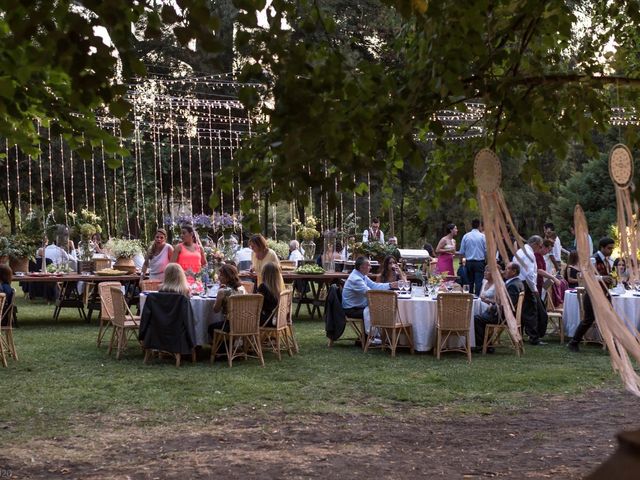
x=281 y=248
x=5 y=250
x=22 y=248
x=124 y=251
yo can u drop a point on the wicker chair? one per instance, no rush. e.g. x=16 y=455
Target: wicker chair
x=493 y=332
x=243 y=315
x=248 y=285
x=7 y=346
x=106 y=308
x=125 y=324
x=271 y=336
x=454 y=319
x=288 y=264
x=150 y=285
x=554 y=314
x=357 y=325
x=593 y=335
x=385 y=317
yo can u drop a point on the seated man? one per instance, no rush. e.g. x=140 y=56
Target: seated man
x=354 y=293
x=490 y=316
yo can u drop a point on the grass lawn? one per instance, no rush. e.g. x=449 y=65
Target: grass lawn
x=62 y=374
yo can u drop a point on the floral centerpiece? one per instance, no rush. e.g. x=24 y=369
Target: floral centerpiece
x=375 y=250
x=308 y=232
x=123 y=251
x=281 y=248
x=84 y=224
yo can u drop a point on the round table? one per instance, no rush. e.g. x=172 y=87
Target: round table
x=203 y=316
x=627 y=305
x=422 y=313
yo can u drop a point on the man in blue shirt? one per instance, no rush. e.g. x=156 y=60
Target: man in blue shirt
x=354 y=293
x=474 y=249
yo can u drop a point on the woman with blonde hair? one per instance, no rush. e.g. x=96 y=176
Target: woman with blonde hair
x=158 y=256
x=262 y=255
x=175 y=280
x=270 y=288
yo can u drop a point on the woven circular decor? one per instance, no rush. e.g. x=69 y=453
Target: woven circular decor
x=487 y=171
x=621 y=165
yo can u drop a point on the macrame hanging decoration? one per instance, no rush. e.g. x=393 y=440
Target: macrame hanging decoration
x=497 y=219
x=621 y=341
x=621 y=172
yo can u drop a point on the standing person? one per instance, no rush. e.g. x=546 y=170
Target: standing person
x=474 y=249
x=189 y=253
x=574 y=247
x=262 y=255
x=158 y=256
x=602 y=258
x=589 y=316
x=446 y=250
x=373 y=233
x=556 y=251
x=534 y=315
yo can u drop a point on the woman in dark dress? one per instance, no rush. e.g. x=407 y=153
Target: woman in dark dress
x=270 y=289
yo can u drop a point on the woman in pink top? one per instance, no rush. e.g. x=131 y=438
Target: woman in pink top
x=189 y=254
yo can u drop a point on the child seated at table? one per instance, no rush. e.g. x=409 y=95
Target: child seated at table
x=270 y=288
x=230 y=284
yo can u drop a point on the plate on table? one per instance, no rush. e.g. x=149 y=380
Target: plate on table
x=614 y=294
x=19 y=274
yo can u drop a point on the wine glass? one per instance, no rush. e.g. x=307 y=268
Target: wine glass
x=449 y=287
x=465 y=288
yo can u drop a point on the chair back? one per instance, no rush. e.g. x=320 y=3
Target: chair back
x=150 y=285
x=249 y=286
x=284 y=308
x=580 y=291
x=548 y=300
x=383 y=307
x=3 y=299
x=119 y=307
x=288 y=263
x=243 y=314
x=454 y=311
x=7 y=314
x=519 y=309
x=102 y=263
x=106 y=298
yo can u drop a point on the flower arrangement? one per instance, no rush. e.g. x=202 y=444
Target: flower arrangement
x=225 y=221
x=20 y=246
x=435 y=279
x=281 y=248
x=308 y=230
x=84 y=224
x=375 y=250
x=122 y=248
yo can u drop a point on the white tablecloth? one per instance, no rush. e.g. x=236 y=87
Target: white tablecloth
x=202 y=313
x=626 y=305
x=422 y=313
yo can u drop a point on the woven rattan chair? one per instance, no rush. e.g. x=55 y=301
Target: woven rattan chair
x=357 y=325
x=106 y=308
x=243 y=316
x=493 y=332
x=554 y=314
x=125 y=324
x=386 y=319
x=288 y=264
x=454 y=322
x=7 y=345
x=592 y=335
x=290 y=332
x=150 y=285
x=273 y=335
x=102 y=263
x=249 y=286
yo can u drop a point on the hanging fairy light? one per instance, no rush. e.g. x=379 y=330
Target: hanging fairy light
x=124 y=191
x=220 y=165
x=50 y=170
x=6 y=156
x=64 y=182
x=29 y=159
x=190 y=172
x=369 y=194
x=41 y=176
x=84 y=170
x=136 y=155
x=73 y=199
x=155 y=172
x=19 y=219
x=106 y=195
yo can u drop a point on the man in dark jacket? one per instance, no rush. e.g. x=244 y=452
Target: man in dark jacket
x=490 y=316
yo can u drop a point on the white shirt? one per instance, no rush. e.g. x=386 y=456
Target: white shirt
x=365 y=236
x=56 y=254
x=296 y=255
x=528 y=268
x=243 y=255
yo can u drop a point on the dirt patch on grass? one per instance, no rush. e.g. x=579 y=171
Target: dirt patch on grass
x=555 y=437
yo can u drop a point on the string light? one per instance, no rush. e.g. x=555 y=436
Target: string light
x=50 y=171
x=19 y=219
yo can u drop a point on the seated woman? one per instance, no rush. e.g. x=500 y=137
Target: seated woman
x=262 y=255
x=488 y=290
x=270 y=288
x=6 y=276
x=622 y=275
x=189 y=254
x=175 y=280
x=229 y=285
x=158 y=256
x=390 y=271
x=572 y=270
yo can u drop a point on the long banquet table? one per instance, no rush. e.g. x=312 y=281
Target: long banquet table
x=70 y=297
